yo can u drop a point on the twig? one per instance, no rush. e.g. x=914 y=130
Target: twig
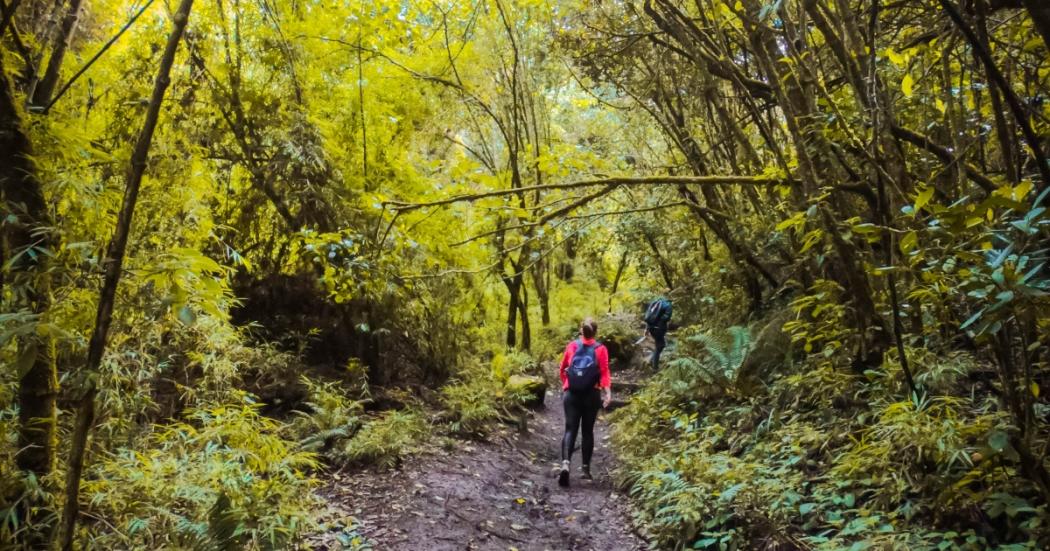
x=996 y=76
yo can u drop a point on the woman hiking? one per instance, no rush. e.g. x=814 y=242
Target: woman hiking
x=585 y=385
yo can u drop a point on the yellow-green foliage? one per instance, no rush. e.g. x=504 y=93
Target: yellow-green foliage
x=332 y=416
x=504 y=365
x=385 y=440
x=820 y=461
x=480 y=396
x=476 y=403
x=222 y=478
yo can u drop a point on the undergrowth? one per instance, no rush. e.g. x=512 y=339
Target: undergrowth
x=385 y=440
x=819 y=458
x=222 y=478
x=482 y=395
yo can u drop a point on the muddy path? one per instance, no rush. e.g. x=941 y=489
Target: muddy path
x=499 y=494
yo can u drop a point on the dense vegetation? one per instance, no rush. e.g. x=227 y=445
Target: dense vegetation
x=248 y=242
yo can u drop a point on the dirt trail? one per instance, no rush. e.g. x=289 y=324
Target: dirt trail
x=501 y=494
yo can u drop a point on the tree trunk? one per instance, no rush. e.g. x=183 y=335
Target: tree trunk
x=523 y=311
x=567 y=269
x=23 y=198
x=113 y=262
x=540 y=282
x=512 y=312
x=1003 y=131
x=1040 y=12
x=665 y=269
x=46 y=87
x=619 y=274
x=797 y=99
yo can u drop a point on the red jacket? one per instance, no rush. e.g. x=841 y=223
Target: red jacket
x=600 y=353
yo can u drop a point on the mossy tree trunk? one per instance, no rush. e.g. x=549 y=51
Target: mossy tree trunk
x=24 y=242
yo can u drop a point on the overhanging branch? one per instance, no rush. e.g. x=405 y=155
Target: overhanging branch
x=617 y=181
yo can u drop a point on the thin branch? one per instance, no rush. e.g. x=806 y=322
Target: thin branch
x=942 y=153
x=604 y=213
x=97 y=55
x=543 y=219
x=618 y=181
x=1009 y=95
x=519 y=270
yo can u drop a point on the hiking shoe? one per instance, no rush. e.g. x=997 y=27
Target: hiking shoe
x=563 y=475
x=586 y=473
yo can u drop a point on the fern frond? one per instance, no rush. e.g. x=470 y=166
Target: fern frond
x=738 y=351
x=715 y=348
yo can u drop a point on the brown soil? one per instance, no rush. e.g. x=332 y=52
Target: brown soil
x=498 y=494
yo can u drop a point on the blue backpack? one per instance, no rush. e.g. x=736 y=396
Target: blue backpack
x=583 y=371
x=658 y=309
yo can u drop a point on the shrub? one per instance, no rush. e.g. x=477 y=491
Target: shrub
x=222 y=479
x=820 y=458
x=384 y=441
x=332 y=417
x=476 y=403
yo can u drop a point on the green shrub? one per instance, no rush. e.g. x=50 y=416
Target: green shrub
x=820 y=458
x=222 y=479
x=474 y=404
x=332 y=417
x=384 y=441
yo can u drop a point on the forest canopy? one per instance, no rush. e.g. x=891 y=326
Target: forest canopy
x=249 y=243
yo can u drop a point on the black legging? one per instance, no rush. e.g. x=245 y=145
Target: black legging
x=580 y=407
x=658 y=332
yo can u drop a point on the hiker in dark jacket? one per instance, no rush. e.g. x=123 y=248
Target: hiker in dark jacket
x=585 y=384
x=657 y=315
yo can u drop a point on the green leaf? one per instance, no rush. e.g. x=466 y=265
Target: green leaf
x=998 y=440
x=860 y=545
x=972 y=319
x=906 y=85
x=26 y=359
x=923 y=197
x=186 y=315
x=908 y=242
